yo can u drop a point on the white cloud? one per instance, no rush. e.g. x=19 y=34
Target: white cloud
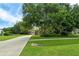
x=1 y=27
x=6 y=16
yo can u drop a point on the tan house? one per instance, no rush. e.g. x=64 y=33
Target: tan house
x=34 y=30
x=75 y=31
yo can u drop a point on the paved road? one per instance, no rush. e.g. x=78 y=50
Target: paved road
x=14 y=46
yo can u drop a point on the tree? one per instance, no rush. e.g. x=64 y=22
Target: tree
x=20 y=28
x=37 y=15
x=8 y=31
x=51 y=18
x=75 y=15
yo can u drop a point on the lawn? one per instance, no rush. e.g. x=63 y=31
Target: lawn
x=2 y=38
x=63 y=47
x=56 y=36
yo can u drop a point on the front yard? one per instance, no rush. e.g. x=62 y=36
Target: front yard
x=58 y=47
x=3 y=38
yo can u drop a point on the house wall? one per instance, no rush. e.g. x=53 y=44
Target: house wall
x=1 y=32
x=76 y=31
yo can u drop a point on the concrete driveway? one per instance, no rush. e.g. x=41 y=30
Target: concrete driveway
x=14 y=46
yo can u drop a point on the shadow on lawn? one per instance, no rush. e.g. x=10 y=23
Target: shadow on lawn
x=36 y=44
x=54 y=42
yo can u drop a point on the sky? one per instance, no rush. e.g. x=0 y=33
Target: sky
x=10 y=13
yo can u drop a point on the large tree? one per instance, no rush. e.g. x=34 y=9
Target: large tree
x=51 y=18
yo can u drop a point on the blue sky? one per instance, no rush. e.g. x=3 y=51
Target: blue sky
x=10 y=13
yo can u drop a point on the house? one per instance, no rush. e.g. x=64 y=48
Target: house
x=75 y=31
x=1 y=32
x=34 y=31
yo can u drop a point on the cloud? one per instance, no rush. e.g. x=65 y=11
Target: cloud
x=1 y=27
x=6 y=16
x=4 y=26
x=19 y=9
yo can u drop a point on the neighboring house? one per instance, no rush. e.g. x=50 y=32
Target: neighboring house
x=1 y=32
x=75 y=31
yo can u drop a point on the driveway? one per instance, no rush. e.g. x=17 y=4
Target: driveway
x=14 y=46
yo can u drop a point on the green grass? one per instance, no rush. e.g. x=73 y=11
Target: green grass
x=52 y=48
x=56 y=42
x=2 y=38
x=55 y=36
x=62 y=50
